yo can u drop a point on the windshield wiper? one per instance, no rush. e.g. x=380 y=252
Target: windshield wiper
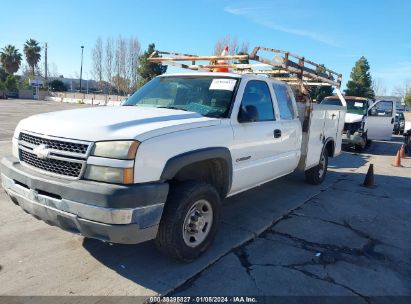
x=174 y=108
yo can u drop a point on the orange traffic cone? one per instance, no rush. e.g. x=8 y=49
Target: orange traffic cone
x=397 y=160
x=369 y=178
x=220 y=62
x=402 y=151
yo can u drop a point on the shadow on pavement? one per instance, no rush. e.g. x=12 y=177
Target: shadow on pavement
x=145 y=266
x=246 y=215
x=243 y=216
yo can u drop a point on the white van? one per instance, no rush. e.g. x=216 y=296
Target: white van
x=365 y=120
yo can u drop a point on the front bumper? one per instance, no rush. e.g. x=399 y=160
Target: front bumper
x=352 y=139
x=115 y=213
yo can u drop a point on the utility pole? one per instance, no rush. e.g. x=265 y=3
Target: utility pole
x=81 y=66
x=45 y=63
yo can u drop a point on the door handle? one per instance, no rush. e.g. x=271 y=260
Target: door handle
x=277 y=133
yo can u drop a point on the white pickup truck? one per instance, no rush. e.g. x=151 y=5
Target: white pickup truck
x=158 y=166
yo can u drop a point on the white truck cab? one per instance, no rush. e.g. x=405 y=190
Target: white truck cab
x=158 y=166
x=365 y=120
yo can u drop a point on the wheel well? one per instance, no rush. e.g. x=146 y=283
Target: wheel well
x=212 y=171
x=330 y=146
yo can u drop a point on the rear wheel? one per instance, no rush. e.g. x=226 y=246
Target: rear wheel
x=190 y=220
x=316 y=175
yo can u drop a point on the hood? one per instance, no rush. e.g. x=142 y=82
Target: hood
x=111 y=123
x=350 y=117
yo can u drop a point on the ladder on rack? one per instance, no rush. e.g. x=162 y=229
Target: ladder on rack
x=284 y=66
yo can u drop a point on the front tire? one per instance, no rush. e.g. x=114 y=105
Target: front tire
x=316 y=175
x=363 y=146
x=190 y=220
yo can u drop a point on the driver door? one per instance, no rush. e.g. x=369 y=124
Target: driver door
x=380 y=120
x=256 y=150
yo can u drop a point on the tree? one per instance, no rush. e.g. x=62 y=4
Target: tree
x=57 y=85
x=378 y=87
x=11 y=83
x=403 y=90
x=109 y=60
x=3 y=75
x=233 y=46
x=407 y=100
x=360 y=84
x=120 y=64
x=32 y=52
x=148 y=70
x=318 y=93
x=132 y=60
x=10 y=58
x=97 y=55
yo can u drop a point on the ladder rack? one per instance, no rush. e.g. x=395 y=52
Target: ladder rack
x=284 y=66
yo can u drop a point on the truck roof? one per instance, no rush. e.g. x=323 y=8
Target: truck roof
x=218 y=74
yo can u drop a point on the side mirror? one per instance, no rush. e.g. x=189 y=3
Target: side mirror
x=373 y=111
x=248 y=114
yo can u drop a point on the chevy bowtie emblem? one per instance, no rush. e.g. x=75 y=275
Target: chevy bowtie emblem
x=41 y=151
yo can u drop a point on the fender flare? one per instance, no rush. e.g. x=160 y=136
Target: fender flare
x=176 y=163
x=326 y=141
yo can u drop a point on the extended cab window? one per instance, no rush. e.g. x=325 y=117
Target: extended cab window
x=208 y=96
x=257 y=95
x=284 y=101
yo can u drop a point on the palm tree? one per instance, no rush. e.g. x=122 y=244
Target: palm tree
x=10 y=58
x=32 y=53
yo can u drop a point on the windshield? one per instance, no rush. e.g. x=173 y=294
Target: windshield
x=354 y=106
x=332 y=102
x=208 y=96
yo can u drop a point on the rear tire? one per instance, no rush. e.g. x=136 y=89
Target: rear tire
x=190 y=220
x=316 y=175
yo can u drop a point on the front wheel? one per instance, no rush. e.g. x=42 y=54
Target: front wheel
x=316 y=175
x=190 y=220
x=361 y=147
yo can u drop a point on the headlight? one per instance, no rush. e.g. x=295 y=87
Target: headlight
x=116 y=149
x=110 y=174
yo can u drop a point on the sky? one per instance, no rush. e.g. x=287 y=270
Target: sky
x=334 y=33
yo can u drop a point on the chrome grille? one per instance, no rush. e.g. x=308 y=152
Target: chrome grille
x=52 y=165
x=55 y=144
x=51 y=155
x=352 y=127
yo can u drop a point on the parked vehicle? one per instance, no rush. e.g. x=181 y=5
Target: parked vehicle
x=12 y=94
x=159 y=166
x=399 y=123
x=365 y=120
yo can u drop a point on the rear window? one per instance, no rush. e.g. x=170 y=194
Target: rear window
x=284 y=101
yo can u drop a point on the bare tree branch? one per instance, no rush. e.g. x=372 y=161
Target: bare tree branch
x=97 y=61
x=403 y=90
x=233 y=46
x=379 y=87
x=109 y=61
x=132 y=61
